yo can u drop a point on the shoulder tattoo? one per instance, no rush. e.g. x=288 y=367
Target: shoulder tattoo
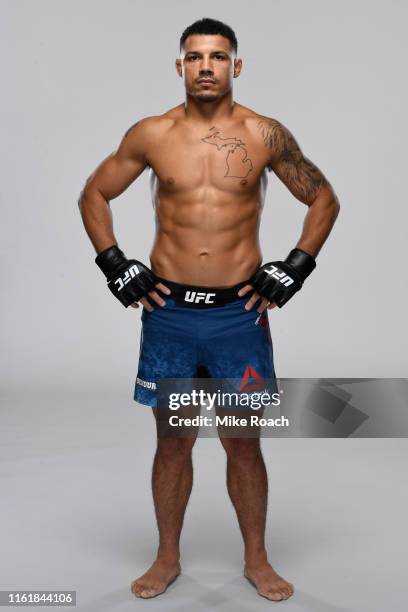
x=300 y=175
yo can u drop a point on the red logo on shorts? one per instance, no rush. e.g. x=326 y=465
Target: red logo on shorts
x=262 y=321
x=251 y=380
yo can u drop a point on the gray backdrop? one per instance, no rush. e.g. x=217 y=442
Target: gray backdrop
x=76 y=451
x=78 y=74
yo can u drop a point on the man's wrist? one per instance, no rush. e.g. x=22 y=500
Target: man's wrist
x=110 y=259
x=301 y=261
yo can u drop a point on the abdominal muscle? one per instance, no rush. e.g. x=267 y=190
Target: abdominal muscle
x=208 y=244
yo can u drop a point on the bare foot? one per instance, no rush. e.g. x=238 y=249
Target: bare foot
x=267 y=582
x=156 y=580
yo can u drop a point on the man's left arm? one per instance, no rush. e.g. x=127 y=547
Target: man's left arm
x=276 y=282
x=305 y=181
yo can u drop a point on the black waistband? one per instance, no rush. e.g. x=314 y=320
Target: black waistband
x=193 y=296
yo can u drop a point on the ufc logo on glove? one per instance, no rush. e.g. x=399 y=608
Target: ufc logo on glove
x=131 y=273
x=280 y=276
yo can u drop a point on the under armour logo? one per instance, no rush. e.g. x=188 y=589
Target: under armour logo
x=129 y=274
x=280 y=276
x=197 y=296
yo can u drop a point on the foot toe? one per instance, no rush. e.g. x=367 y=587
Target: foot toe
x=140 y=590
x=151 y=591
x=274 y=595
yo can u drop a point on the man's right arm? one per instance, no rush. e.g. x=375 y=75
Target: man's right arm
x=111 y=178
x=128 y=279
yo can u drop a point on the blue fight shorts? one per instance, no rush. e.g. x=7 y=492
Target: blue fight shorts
x=202 y=330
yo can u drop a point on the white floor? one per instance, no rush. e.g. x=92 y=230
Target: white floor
x=77 y=513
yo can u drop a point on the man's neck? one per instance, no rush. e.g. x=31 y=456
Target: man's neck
x=222 y=108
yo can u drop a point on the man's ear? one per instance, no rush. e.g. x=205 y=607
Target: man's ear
x=179 y=67
x=237 y=67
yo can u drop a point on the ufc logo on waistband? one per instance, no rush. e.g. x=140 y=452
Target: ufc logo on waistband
x=196 y=297
x=280 y=276
x=131 y=273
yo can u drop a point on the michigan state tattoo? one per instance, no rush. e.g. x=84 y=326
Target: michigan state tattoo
x=237 y=162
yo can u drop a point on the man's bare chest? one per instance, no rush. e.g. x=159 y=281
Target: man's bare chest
x=226 y=159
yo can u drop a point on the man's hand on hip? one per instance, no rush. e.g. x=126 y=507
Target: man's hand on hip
x=154 y=296
x=278 y=281
x=254 y=299
x=130 y=280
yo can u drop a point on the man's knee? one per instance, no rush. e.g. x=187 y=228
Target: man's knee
x=241 y=449
x=174 y=449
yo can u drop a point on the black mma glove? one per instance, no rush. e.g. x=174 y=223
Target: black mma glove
x=128 y=279
x=278 y=281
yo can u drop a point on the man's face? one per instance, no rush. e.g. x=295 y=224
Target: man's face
x=208 y=66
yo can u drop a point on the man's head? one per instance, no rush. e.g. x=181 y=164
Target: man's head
x=208 y=62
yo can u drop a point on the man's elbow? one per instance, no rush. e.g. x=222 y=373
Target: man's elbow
x=83 y=203
x=86 y=196
x=83 y=195
x=335 y=206
x=80 y=200
x=330 y=200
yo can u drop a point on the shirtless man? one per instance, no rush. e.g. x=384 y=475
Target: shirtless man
x=209 y=158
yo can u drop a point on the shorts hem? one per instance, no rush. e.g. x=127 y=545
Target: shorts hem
x=146 y=402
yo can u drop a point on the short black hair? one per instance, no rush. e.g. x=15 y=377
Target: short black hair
x=210 y=26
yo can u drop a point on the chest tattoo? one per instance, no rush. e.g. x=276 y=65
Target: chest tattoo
x=237 y=162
